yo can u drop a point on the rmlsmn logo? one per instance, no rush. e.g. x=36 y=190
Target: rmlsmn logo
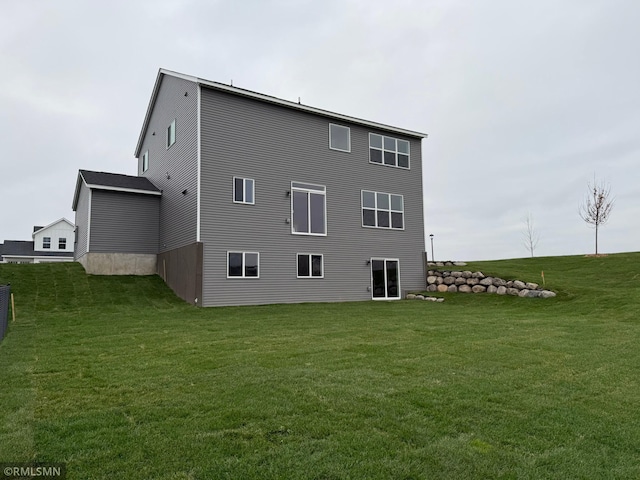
x=33 y=471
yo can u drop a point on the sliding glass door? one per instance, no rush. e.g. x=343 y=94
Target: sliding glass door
x=385 y=278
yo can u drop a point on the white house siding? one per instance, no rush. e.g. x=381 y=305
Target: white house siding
x=274 y=146
x=55 y=232
x=174 y=170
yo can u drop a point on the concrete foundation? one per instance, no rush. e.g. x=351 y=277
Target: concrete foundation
x=119 y=263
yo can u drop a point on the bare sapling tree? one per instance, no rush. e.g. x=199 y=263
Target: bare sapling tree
x=531 y=237
x=597 y=205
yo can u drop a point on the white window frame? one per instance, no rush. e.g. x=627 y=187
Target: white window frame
x=60 y=245
x=309 y=188
x=348 y=150
x=376 y=209
x=385 y=260
x=244 y=190
x=311 y=255
x=395 y=151
x=244 y=263
x=46 y=243
x=171 y=134
x=145 y=161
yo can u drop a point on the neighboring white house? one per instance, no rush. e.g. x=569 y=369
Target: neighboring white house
x=53 y=243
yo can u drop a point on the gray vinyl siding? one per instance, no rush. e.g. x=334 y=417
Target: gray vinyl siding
x=82 y=221
x=124 y=222
x=275 y=145
x=175 y=169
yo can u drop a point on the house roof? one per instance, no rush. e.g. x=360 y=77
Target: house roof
x=37 y=229
x=114 y=182
x=264 y=98
x=24 y=248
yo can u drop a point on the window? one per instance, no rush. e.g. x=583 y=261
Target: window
x=243 y=190
x=171 y=133
x=385 y=278
x=310 y=265
x=243 y=264
x=145 y=161
x=339 y=138
x=46 y=242
x=382 y=210
x=62 y=243
x=308 y=209
x=388 y=151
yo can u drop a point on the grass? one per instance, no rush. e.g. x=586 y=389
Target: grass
x=119 y=379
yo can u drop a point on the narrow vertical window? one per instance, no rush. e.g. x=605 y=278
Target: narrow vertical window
x=46 y=242
x=243 y=190
x=145 y=161
x=339 y=138
x=62 y=243
x=171 y=133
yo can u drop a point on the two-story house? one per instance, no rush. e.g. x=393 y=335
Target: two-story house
x=52 y=243
x=259 y=200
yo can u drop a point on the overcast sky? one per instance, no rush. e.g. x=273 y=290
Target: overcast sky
x=524 y=101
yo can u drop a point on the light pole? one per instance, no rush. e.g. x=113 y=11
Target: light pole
x=433 y=259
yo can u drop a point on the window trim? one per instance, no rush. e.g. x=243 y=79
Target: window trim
x=376 y=210
x=244 y=254
x=62 y=240
x=348 y=150
x=311 y=276
x=385 y=260
x=309 y=188
x=171 y=134
x=396 y=151
x=145 y=161
x=244 y=190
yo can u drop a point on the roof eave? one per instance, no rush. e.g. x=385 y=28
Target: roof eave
x=123 y=189
x=33 y=235
x=299 y=106
x=76 y=195
x=264 y=98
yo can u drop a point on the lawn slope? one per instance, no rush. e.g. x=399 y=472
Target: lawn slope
x=118 y=378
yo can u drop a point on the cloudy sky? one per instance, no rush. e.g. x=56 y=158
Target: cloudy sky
x=524 y=101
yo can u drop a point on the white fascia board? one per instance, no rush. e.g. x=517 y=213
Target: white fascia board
x=122 y=189
x=33 y=235
x=305 y=108
x=269 y=99
x=76 y=195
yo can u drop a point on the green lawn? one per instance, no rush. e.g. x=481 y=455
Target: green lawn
x=119 y=379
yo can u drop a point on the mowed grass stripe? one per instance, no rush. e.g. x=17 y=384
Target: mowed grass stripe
x=120 y=379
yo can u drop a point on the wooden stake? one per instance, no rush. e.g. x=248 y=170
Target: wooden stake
x=13 y=308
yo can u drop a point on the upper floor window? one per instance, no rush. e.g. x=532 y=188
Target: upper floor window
x=171 y=133
x=388 y=151
x=62 y=243
x=145 y=161
x=382 y=210
x=339 y=138
x=308 y=209
x=243 y=265
x=243 y=190
x=46 y=242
